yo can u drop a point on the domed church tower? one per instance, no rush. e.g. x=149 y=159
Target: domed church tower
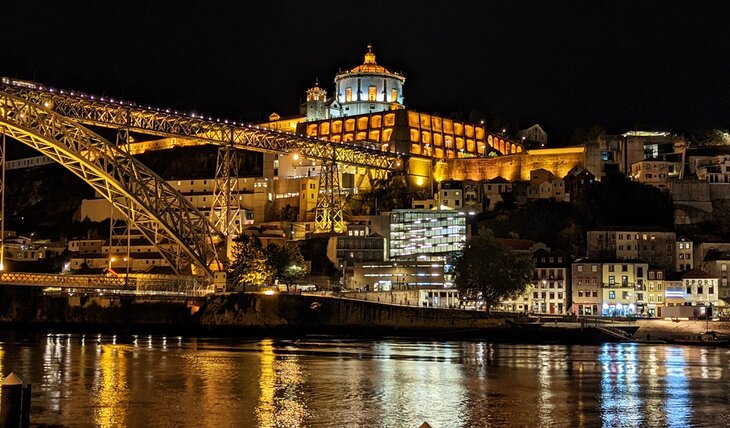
x=367 y=88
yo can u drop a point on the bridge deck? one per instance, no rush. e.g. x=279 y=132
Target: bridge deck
x=134 y=284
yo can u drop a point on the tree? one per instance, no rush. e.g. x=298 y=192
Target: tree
x=248 y=265
x=486 y=268
x=285 y=262
x=289 y=213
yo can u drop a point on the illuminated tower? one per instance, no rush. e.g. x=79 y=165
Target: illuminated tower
x=367 y=88
x=316 y=100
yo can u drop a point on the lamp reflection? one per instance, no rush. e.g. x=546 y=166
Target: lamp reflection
x=620 y=398
x=110 y=386
x=281 y=402
x=677 y=407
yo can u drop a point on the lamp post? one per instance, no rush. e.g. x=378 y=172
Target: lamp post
x=127 y=260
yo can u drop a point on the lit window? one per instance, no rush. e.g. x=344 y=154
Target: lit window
x=394 y=95
x=371 y=93
x=348 y=95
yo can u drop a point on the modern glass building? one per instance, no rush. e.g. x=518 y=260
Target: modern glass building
x=426 y=234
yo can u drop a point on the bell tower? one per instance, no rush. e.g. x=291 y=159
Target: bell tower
x=316 y=103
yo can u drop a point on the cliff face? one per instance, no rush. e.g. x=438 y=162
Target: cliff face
x=241 y=312
x=313 y=313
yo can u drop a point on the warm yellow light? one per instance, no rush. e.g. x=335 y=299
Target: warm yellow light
x=296 y=156
x=419 y=181
x=113 y=260
x=269 y=292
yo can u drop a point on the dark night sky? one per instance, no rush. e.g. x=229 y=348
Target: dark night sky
x=620 y=64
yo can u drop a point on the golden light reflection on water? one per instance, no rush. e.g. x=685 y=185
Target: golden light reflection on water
x=87 y=380
x=281 y=402
x=110 y=386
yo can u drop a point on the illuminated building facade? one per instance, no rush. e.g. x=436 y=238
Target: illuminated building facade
x=398 y=275
x=655 y=292
x=701 y=288
x=550 y=291
x=624 y=288
x=587 y=280
x=426 y=234
x=653 y=245
x=411 y=132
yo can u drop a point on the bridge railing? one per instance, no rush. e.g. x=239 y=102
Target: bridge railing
x=138 y=284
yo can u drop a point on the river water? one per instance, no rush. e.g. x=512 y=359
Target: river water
x=167 y=381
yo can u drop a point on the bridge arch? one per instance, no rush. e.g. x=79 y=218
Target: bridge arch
x=178 y=230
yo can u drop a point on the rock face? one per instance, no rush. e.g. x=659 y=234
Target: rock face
x=315 y=313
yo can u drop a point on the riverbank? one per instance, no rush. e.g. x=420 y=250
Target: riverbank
x=285 y=315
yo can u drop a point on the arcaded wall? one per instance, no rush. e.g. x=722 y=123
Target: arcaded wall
x=512 y=167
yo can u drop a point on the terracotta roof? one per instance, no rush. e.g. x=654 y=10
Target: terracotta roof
x=697 y=273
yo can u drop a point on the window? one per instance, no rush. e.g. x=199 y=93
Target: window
x=624 y=268
x=594 y=268
x=611 y=295
x=595 y=293
x=610 y=268
x=699 y=289
x=711 y=290
x=348 y=95
x=611 y=280
x=659 y=287
x=723 y=267
x=689 y=290
x=394 y=95
x=639 y=271
x=659 y=298
x=580 y=268
x=371 y=93
x=580 y=294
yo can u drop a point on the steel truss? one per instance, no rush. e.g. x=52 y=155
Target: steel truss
x=180 y=232
x=329 y=214
x=225 y=212
x=97 y=111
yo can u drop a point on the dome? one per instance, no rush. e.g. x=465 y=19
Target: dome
x=369 y=65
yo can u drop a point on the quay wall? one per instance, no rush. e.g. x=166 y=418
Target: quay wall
x=260 y=315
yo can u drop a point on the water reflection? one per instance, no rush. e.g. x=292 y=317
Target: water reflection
x=282 y=402
x=166 y=381
x=678 y=405
x=110 y=386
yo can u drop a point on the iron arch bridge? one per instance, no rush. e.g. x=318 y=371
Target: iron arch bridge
x=178 y=230
x=54 y=122
x=109 y=113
